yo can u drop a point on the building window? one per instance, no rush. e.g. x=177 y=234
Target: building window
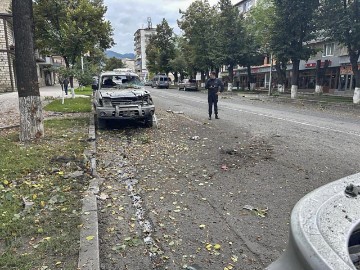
x=328 y=49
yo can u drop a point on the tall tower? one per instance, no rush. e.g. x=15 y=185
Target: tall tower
x=141 y=39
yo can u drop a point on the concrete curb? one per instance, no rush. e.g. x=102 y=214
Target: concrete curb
x=89 y=253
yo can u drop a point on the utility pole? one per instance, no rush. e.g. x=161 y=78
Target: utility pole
x=270 y=77
x=31 y=117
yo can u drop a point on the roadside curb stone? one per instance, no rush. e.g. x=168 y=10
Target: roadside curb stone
x=89 y=257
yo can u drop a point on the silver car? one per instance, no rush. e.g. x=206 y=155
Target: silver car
x=122 y=96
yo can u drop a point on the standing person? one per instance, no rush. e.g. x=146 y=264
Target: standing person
x=66 y=85
x=214 y=87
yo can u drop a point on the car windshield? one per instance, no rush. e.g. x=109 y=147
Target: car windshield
x=121 y=81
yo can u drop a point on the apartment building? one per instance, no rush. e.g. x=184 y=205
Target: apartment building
x=7 y=49
x=141 y=39
x=244 y=6
x=44 y=64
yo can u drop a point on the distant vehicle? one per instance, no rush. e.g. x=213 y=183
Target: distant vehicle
x=188 y=84
x=160 y=81
x=147 y=83
x=122 y=96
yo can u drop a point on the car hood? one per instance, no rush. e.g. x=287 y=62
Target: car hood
x=123 y=93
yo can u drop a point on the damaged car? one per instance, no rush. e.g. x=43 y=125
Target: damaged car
x=122 y=96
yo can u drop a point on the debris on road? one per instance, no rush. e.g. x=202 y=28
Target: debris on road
x=257 y=211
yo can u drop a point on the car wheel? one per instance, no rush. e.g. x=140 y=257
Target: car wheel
x=179 y=88
x=149 y=121
x=100 y=123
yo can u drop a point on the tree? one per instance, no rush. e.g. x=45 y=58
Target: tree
x=341 y=22
x=178 y=64
x=70 y=28
x=31 y=117
x=197 y=24
x=320 y=75
x=260 y=24
x=161 y=48
x=152 y=55
x=229 y=37
x=113 y=63
x=293 y=28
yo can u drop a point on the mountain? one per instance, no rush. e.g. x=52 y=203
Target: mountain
x=111 y=54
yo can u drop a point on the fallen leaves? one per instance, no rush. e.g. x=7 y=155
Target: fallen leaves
x=257 y=211
x=90 y=237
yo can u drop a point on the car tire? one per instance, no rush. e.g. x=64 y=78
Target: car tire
x=101 y=123
x=149 y=121
x=179 y=88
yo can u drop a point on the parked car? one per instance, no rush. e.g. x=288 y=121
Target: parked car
x=188 y=84
x=122 y=96
x=148 y=83
x=160 y=81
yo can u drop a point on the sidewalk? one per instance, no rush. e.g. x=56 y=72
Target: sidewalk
x=9 y=104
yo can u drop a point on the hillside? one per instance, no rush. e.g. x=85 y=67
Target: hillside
x=111 y=54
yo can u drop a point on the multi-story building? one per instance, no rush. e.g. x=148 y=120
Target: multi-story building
x=141 y=39
x=129 y=64
x=7 y=49
x=7 y=55
x=244 y=6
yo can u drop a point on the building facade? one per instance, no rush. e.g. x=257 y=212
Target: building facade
x=244 y=6
x=44 y=64
x=339 y=77
x=7 y=49
x=141 y=39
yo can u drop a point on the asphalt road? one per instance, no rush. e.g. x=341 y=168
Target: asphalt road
x=330 y=137
x=311 y=146
x=273 y=152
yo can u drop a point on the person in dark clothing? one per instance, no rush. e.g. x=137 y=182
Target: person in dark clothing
x=214 y=87
x=66 y=85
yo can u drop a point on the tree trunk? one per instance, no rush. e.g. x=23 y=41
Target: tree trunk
x=354 y=56
x=249 y=77
x=202 y=76
x=320 y=75
x=231 y=77
x=31 y=117
x=281 y=75
x=295 y=78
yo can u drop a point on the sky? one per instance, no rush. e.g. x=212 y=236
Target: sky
x=126 y=16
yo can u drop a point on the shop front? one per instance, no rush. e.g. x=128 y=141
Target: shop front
x=346 y=79
x=307 y=78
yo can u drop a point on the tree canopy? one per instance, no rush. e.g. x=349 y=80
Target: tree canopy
x=230 y=37
x=340 y=21
x=113 y=63
x=161 y=49
x=197 y=24
x=293 y=29
x=70 y=28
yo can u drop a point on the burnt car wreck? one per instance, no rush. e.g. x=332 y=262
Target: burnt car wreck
x=121 y=96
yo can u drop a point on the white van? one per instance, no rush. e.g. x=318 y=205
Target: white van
x=160 y=81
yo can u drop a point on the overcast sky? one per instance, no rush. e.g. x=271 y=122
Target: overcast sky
x=126 y=16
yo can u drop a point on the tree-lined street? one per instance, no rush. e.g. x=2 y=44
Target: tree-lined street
x=185 y=192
